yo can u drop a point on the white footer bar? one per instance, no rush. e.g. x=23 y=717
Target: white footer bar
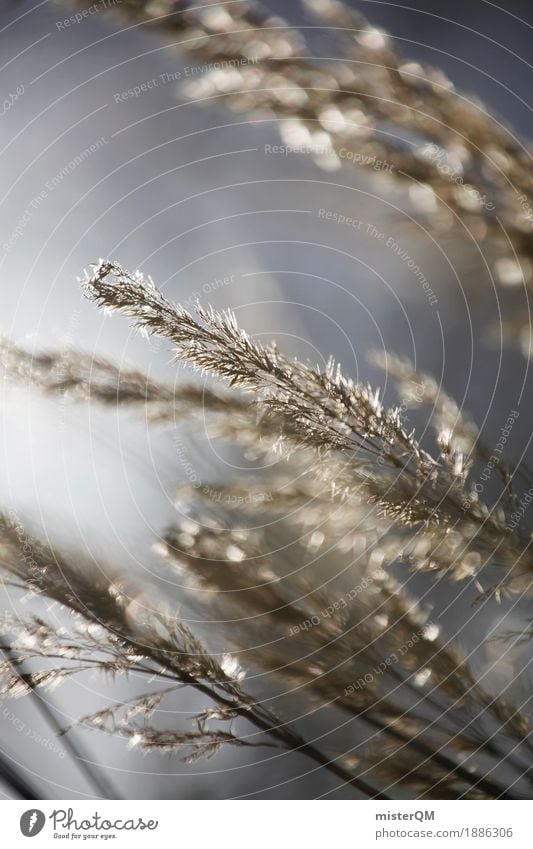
x=268 y=824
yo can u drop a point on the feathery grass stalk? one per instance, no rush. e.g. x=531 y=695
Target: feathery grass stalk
x=83 y=377
x=367 y=448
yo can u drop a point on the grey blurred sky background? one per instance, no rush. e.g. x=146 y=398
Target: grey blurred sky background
x=188 y=195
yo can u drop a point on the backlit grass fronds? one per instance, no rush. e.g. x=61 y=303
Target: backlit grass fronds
x=461 y=164
x=369 y=650
x=377 y=658
x=296 y=567
x=119 y=629
x=361 y=447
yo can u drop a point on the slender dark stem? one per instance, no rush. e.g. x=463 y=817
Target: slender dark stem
x=15 y=780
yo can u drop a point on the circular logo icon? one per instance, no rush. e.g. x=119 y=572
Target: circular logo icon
x=32 y=822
